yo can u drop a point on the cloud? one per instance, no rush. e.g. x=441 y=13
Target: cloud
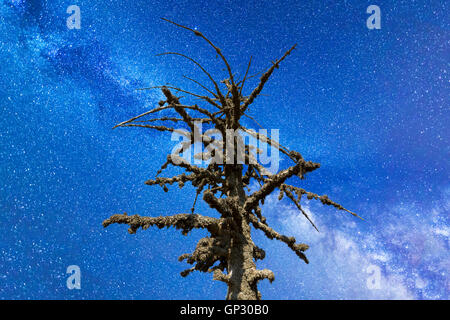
x=403 y=254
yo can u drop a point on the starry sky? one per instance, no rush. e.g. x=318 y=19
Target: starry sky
x=372 y=106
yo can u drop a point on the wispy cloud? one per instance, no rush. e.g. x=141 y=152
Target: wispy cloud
x=409 y=252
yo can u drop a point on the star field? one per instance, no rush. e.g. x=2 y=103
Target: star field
x=372 y=106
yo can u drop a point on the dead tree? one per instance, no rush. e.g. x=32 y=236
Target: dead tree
x=229 y=251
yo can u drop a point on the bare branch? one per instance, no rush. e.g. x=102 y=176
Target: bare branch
x=218 y=51
x=202 y=120
x=141 y=115
x=216 y=86
x=180 y=162
x=216 y=203
x=263 y=138
x=159 y=128
x=276 y=180
x=195 y=81
x=298 y=248
x=206 y=98
x=264 y=79
x=324 y=199
x=220 y=276
x=263 y=274
x=245 y=76
x=299 y=207
x=185 y=222
x=181 y=179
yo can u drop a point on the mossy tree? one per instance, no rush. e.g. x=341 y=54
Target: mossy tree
x=229 y=251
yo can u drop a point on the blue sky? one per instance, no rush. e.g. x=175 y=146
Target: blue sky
x=372 y=106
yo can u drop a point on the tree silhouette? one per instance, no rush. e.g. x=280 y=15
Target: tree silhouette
x=229 y=251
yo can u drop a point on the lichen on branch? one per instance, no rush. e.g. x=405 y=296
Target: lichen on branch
x=185 y=222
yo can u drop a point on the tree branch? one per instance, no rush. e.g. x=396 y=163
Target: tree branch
x=216 y=86
x=185 y=222
x=218 y=51
x=324 y=199
x=299 y=207
x=262 y=274
x=264 y=79
x=276 y=180
x=298 y=248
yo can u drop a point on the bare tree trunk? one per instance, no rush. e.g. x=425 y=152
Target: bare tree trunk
x=241 y=267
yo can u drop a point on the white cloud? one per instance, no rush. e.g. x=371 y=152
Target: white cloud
x=409 y=247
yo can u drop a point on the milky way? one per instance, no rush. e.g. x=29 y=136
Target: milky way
x=372 y=106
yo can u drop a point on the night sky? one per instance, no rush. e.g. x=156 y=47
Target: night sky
x=372 y=106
